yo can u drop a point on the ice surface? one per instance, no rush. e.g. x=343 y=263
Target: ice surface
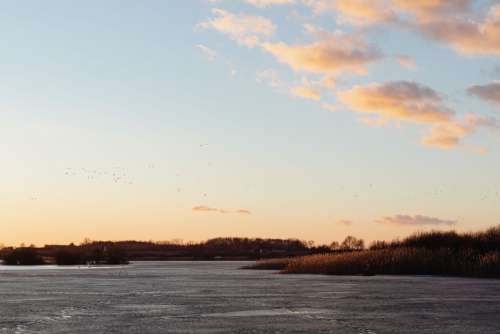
x=217 y=297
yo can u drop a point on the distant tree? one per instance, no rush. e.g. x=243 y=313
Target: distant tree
x=23 y=256
x=116 y=255
x=335 y=245
x=95 y=255
x=67 y=257
x=177 y=241
x=352 y=243
x=86 y=241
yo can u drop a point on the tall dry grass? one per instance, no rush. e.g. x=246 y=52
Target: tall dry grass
x=426 y=253
x=400 y=261
x=483 y=241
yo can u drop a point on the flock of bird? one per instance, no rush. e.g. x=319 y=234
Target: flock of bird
x=116 y=174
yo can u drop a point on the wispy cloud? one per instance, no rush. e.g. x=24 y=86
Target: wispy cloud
x=489 y=92
x=354 y=11
x=267 y=3
x=447 y=135
x=400 y=100
x=334 y=53
x=307 y=90
x=260 y=3
x=344 y=222
x=203 y=208
x=406 y=61
x=417 y=220
x=208 y=52
x=212 y=55
x=245 y=29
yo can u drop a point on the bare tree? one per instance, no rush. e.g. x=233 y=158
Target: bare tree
x=335 y=245
x=352 y=243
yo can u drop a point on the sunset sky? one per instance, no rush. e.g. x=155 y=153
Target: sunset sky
x=192 y=119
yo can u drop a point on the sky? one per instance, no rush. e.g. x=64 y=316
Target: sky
x=309 y=119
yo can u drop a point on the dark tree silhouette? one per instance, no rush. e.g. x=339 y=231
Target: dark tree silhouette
x=351 y=243
x=24 y=256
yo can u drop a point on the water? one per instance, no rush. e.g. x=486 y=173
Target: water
x=216 y=297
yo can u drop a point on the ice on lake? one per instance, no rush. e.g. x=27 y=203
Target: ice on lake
x=217 y=297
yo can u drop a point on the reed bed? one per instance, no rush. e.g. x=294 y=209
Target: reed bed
x=400 y=261
x=425 y=253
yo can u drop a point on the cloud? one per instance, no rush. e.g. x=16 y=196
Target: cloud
x=457 y=23
x=355 y=11
x=344 y=222
x=453 y=22
x=245 y=29
x=362 y=11
x=414 y=103
x=203 y=208
x=328 y=81
x=309 y=89
x=209 y=53
x=489 y=92
x=306 y=92
x=306 y=89
x=262 y=3
x=424 y=9
x=267 y=3
x=312 y=88
x=383 y=11
x=417 y=220
x=400 y=100
x=448 y=135
x=464 y=34
x=334 y=53
x=406 y=61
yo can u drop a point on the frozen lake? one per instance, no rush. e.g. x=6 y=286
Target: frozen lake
x=216 y=297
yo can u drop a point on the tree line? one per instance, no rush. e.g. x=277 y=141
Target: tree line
x=119 y=252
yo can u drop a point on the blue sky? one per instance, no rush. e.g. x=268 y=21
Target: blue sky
x=115 y=124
